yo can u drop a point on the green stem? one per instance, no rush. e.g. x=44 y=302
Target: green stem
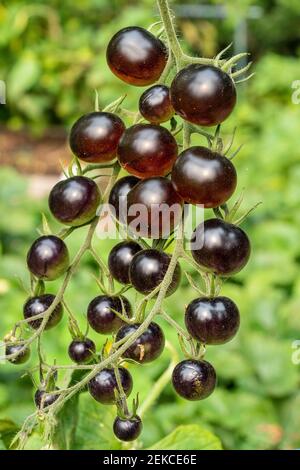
x=161 y=383
x=103 y=268
x=181 y=59
x=173 y=42
x=186 y=136
x=167 y=69
x=97 y=166
x=212 y=285
x=122 y=395
x=175 y=325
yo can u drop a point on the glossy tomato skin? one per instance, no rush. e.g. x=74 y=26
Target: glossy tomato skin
x=101 y=313
x=94 y=138
x=102 y=387
x=147 y=347
x=74 y=201
x=147 y=270
x=22 y=356
x=226 y=247
x=48 y=258
x=201 y=176
x=155 y=206
x=81 y=351
x=43 y=399
x=203 y=94
x=119 y=260
x=118 y=196
x=194 y=380
x=37 y=305
x=127 y=429
x=136 y=56
x=155 y=104
x=147 y=150
x=212 y=320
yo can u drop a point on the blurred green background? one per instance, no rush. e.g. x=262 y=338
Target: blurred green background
x=52 y=57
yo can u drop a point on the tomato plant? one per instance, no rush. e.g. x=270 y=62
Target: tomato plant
x=202 y=92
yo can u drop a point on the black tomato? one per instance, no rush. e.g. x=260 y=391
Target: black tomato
x=154 y=208
x=147 y=270
x=74 y=201
x=94 y=138
x=101 y=316
x=127 y=429
x=194 y=380
x=212 y=320
x=103 y=386
x=81 y=350
x=220 y=247
x=118 y=196
x=155 y=104
x=136 y=56
x=201 y=176
x=43 y=399
x=203 y=94
x=119 y=260
x=37 y=305
x=48 y=258
x=145 y=348
x=22 y=356
x=147 y=150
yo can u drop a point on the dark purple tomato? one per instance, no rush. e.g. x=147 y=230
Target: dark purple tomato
x=155 y=104
x=147 y=347
x=74 y=201
x=81 y=351
x=201 y=176
x=203 y=94
x=147 y=150
x=48 y=258
x=148 y=268
x=22 y=354
x=136 y=56
x=101 y=316
x=127 y=429
x=212 y=320
x=43 y=399
x=103 y=386
x=119 y=260
x=194 y=380
x=94 y=138
x=37 y=305
x=154 y=208
x=220 y=247
x=118 y=196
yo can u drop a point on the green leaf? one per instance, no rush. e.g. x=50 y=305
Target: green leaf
x=7 y=431
x=67 y=419
x=272 y=363
x=46 y=227
x=23 y=76
x=65 y=430
x=35 y=442
x=189 y=437
x=94 y=428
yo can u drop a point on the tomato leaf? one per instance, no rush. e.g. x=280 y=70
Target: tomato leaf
x=189 y=437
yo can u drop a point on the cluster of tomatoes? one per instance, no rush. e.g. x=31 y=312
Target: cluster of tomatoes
x=201 y=95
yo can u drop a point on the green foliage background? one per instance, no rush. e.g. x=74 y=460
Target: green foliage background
x=58 y=50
